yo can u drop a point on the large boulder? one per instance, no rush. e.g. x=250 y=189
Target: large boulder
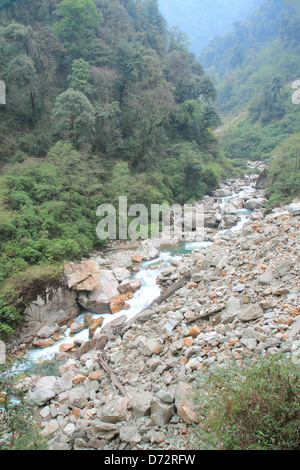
x=56 y=308
x=294 y=208
x=223 y=192
x=262 y=180
x=83 y=276
x=148 y=250
x=255 y=203
x=98 y=300
x=211 y=221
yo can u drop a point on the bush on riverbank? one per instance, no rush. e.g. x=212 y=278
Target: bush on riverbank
x=254 y=407
x=18 y=429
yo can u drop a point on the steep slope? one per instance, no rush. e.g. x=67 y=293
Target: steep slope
x=102 y=101
x=255 y=70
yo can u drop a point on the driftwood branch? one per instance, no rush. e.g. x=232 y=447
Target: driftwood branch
x=113 y=377
x=172 y=290
x=207 y=314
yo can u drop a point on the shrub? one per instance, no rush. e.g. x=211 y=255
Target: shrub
x=256 y=407
x=9 y=317
x=18 y=429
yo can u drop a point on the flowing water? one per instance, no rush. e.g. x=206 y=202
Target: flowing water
x=150 y=290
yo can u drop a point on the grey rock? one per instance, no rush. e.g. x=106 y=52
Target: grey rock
x=222 y=193
x=64 y=383
x=271 y=343
x=148 y=249
x=141 y=404
x=249 y=343
x=253 y=312
x=40 y=396
x=130 y=434
x=165 y=396
x=161 y=413
x=2 y=352
x=47 y=331
x=98 y=300
x=255 y=334
x=121 y=274
x=107 y=431
x=232 y=310
x=255 y=203
x=47 y=382
x=294 y=329
x=266 y=278
x=115 y=410
x=284 y=267
x=294 y=208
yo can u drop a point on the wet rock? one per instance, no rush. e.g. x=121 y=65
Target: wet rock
x=148 y=250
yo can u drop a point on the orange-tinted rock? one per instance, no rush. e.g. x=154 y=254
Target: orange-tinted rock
x=117 y=304
x=95 y=323
x=195 y=331
x=43 y=343
x=78 y=379
x=137 y=258
x=65 y=347
x=97 y=375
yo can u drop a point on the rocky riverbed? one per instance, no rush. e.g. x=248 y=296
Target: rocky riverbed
x=132 y=387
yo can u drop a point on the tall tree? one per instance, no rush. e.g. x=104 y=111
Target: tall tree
x=73 y=117
x=77 y=26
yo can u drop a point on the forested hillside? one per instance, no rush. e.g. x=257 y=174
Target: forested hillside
x=254 y=68
x=102 y=101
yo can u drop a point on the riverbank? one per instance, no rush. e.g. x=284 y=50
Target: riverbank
x=134 y=389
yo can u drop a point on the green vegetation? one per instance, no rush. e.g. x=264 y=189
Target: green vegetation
x=18 y=427
x=284 y=171
x=102 y=101
x=253 y=69
x=256 y=407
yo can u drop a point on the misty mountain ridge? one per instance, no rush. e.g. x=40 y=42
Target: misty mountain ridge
x=203 y=20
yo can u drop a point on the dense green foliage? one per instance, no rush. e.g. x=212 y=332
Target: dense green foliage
x=254 y=407
x=102 y=101
x=18 y=427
